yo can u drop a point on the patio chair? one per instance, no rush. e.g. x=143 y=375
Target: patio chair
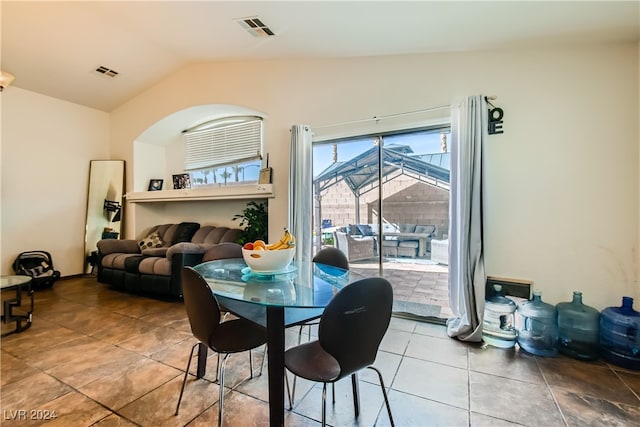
x=350 y=331
x=356 y=249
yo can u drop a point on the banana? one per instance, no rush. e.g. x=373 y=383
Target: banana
x=282 y=243
x=290 y=240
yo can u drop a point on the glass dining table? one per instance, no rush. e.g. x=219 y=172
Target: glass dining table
x=276 y=301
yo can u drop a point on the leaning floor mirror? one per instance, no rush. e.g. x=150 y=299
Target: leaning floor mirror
x=104 y=206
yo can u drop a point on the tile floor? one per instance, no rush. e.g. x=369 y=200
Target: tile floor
x=95 y=356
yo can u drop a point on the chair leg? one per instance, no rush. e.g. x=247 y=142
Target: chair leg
x=186 y=374
x=324 y=404
x=221 y=387
x=286 y=383
x=264 y=357
x=356 y=398
x=250 y=364
x=384 y=394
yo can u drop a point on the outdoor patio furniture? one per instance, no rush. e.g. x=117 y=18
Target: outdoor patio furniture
x=355 y=249
x=408 y=248
x=440 y=251
x=390 y=248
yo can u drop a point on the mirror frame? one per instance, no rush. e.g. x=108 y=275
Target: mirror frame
x=104 y=202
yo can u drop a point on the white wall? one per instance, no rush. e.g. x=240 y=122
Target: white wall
x=562 y=181
x=46 y=148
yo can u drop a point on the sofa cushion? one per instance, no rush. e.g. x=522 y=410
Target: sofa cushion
x=155 y=265
x=110 y=246
x=425 y=229
x=116 y=260
x=153 y=240
x=184 y=232
x=407 y=228
x=365 y=229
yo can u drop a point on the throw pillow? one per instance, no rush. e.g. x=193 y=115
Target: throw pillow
x=153 y=240
x=425 y=229
x=185 y=232
x=365 y=229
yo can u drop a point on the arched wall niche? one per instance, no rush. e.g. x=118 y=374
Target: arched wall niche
x=158 y=154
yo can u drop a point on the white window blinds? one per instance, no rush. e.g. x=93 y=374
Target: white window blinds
x=223 y=142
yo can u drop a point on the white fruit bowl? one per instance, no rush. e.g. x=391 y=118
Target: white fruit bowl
x=268 y=261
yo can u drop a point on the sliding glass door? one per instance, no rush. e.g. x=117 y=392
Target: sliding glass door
x=382 y=199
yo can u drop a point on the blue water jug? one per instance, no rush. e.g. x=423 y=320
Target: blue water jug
x=538 y=333
x=578 y=329
x=498 y=325
x=619 y=335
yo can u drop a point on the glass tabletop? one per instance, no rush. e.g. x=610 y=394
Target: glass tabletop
x=301 y=284
x=11 y=281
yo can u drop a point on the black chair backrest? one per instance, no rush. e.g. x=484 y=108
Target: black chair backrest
x=332 y=256
x=354 y=322
x=202 y=307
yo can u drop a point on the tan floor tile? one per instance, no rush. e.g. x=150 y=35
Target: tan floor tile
x=512 y=400
x=342 y=412
x=440 y=350
x=154 y=340
x=434 y=381
x=582 y=411
x=158 y=406
x=592 y=379
x=114 y=420
x=122 y=388
x=13 y=369
x=409 y=410
x=508 y=363
x=32 y=392
x=71 y=409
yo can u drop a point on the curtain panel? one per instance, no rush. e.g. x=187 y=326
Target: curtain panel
x=300 y=191
x=467 y=276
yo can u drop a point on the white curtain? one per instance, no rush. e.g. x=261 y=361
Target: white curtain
x=300 y=191
x=467 y=275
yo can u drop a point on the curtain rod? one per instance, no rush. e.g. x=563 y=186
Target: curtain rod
x=425 y=110
x=383 y=117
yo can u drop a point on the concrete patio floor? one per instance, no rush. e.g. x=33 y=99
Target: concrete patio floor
x=416 y=280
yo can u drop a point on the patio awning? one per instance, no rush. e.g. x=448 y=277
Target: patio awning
x=361 y=172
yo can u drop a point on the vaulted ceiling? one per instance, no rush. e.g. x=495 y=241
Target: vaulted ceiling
x=54 y=48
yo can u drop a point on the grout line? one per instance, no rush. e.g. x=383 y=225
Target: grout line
x=553 y=396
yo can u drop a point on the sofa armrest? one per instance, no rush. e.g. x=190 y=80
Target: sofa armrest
x=186 y=248
x=110 y=246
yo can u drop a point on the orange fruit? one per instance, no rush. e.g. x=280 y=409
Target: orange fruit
x=259 y=245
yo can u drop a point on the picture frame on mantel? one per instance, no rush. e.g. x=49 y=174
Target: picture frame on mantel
x=181 y=181
x=155 y=184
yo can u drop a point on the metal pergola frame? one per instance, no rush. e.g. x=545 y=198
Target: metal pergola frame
x=362 y=174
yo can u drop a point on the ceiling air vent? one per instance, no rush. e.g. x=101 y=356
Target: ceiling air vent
x=255 y=27
x=106 y=71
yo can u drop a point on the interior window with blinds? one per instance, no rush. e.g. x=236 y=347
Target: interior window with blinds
x=223 y=152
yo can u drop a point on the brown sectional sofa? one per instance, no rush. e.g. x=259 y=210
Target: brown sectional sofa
x=152 y=264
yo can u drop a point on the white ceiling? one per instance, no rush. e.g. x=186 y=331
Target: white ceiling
x=53 y=47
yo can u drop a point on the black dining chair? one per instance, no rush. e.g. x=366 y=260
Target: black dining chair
x=332 y=256
x=226 y=250
x=349 y=335
x=232 y=336
x=328 y=255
